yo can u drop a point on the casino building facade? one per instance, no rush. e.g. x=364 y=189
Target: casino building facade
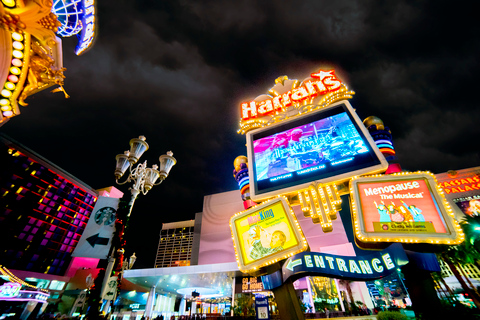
x=44 y=211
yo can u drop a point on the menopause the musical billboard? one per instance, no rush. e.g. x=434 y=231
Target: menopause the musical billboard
x=402 y=208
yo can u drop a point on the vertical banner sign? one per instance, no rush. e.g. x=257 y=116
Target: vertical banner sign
x=96 y=239
x=111 y=289
x=261 y=307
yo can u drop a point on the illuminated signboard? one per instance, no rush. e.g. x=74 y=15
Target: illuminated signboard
x=266 y=233
x=321 y=83
x=87 y=34
x=469 y=205
x=375 y=265
x=462 y=187
x=404 y=207
x=329 y=145
x=470 y=183
x=248 y=284
x=10 y=290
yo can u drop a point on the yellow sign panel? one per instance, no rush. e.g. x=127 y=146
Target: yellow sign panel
x=265 y=234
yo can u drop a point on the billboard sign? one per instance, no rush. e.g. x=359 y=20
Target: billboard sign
x=404 y=207
x=248 y=284
x=328 y=145
x=265 y=234
x=470 y=206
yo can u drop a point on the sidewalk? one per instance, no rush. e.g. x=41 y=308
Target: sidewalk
x=369 y=317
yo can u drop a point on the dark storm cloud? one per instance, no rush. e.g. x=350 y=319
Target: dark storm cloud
x=176 y=71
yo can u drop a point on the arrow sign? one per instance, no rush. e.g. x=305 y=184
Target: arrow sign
x=95 y=239
x=293 y=263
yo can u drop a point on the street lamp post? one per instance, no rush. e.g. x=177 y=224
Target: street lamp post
x=143 y=179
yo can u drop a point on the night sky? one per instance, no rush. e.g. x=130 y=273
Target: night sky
x=176 y=72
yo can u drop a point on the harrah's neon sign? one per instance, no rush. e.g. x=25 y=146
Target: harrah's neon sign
x=323 y=82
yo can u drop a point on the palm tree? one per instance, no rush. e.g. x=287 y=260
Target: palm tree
x=244 y=305
x=447 y=291
x=471 y=227
x=457 y=255
x=347 y=285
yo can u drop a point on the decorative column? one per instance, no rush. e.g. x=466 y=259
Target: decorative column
x=149 y=306
x=384 y=141
x=240 y=173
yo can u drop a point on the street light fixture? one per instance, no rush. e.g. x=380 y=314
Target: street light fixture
x=129 y=265
x=143 y=179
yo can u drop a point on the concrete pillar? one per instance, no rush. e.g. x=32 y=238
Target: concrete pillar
x=28 y=309
x=150 y=300
x=182 y=306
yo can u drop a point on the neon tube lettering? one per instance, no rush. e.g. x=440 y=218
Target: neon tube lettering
x=325 y=82
x=308 y=261
x=375 y=264
x=341 y=265
x=330 y=262
x=319 y=261
x=365 y=266
x=354 y=267
x=388 y=261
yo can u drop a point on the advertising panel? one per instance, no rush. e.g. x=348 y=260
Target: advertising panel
x=326 y=146
x=470 y=206
x=402 y=208
x=266 y=233
x=248 y=284
x=462 y=190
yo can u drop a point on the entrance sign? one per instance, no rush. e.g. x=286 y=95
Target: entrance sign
x=357 y=268
x=328 y=145
x=369 y=267
x=266 y=233
x=403 y=207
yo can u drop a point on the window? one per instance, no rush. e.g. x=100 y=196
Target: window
x=56 y=285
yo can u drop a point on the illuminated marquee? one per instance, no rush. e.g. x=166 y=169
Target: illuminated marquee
x=403 y=207
x=265 y=234
x=323 y=82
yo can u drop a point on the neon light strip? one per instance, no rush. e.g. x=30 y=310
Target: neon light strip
x=23 y=299
x=382 y=145
x=383 y=141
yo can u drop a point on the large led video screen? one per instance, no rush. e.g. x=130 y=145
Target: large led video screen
x=331 y=144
